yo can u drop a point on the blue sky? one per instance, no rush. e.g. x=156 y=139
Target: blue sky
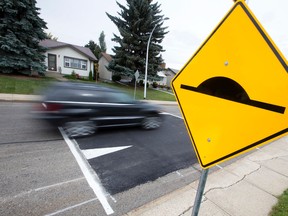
x=190 y=23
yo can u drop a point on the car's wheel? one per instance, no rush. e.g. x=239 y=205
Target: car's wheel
x=79 y=128
x=151 y=122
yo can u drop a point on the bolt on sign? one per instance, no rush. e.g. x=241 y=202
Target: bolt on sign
x=233 y=92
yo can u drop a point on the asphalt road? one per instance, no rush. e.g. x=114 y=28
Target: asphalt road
x=147 y=156
x=40 y=176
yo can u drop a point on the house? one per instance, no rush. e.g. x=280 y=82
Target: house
x=165 y=75
x=65 y=58
x=104 y=60
x=170 y=73
x=163 y=78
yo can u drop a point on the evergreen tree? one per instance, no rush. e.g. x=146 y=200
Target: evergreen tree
x=102 y=42
x=21 y=29
x=135 y=25
x=95 y=48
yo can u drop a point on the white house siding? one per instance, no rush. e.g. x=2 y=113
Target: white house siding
x=104 y=74
x=163 y=78
x=69 y=52
x=169 y=76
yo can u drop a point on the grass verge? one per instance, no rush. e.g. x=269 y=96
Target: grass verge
x=20 y=84
x=151 y=94
x=281 y=208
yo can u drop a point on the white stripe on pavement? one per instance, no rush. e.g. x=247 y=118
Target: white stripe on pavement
x=71 y=207
x=89 y=173
x=97 y=152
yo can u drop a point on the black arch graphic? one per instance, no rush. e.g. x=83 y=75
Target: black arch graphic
x=226 y=88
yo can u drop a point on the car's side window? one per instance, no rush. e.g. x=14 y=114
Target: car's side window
x=115 y=97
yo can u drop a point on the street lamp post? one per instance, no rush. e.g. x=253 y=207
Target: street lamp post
x=146 y=67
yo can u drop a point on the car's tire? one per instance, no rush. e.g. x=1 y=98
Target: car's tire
x=79 y=128
x=151 y=122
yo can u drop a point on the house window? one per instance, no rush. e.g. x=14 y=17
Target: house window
x=75 y=63
x=67 y=62
x=84 y=65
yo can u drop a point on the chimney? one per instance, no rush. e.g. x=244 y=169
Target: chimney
x=163 y=65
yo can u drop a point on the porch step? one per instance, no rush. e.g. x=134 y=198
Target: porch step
x=55 y=75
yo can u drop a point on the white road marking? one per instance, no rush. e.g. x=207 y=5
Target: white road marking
x=58 y=184
x=44 y=188
x=114 y=200
x=165 y=113
x=71 y=207
x=90 y=175
x=220 y=167
x=93 y=153
x=178 y=173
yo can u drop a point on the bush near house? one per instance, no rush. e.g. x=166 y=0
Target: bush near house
x=141 y=83
x=116 y=78
x=75 y=76
x=154 y=84
x=90 y=75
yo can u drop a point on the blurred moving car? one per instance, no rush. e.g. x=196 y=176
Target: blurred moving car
x=81 y=108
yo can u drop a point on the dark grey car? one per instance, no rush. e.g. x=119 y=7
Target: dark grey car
x=81 y=108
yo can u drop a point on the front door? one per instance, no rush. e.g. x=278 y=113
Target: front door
x=52 y=65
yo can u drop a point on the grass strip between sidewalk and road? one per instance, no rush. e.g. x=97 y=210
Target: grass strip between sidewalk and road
x=152 y=94
x=281 y=208
x=21 y=84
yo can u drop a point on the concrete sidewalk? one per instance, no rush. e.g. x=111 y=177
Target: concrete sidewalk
x=247 y=187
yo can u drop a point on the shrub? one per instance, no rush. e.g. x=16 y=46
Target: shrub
x=141 y=83
x=73 y=75
x=116 y=78
x=90 y=75
x=154 y=84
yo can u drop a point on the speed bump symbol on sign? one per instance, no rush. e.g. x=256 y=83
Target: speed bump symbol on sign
x=233 y=92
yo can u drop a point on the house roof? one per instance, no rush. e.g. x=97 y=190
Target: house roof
x=161 y=74
x=52 y=44
x=175 y=71
x=106 y=56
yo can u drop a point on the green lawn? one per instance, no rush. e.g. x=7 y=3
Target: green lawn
x=22 y=84
x=32 y=85
x=151 y=93
x=281 y=208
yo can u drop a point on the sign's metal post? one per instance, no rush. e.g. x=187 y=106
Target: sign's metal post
x=135 y=89
x=136 y=78
x=200 y=191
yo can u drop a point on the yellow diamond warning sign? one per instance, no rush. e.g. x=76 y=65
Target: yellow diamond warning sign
x=233 y=92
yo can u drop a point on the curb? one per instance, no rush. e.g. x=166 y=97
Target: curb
x=20 y=97
x=35 y=98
